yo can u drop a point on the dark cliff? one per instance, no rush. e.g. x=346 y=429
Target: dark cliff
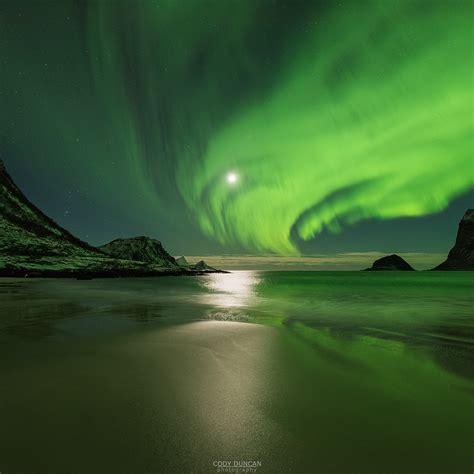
x=461 y=256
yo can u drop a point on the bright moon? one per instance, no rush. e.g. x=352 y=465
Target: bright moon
x=232 y=178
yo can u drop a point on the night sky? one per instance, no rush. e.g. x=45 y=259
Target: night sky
x=232 y=126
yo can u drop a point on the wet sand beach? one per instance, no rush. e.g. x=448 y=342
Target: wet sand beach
x=149 y=376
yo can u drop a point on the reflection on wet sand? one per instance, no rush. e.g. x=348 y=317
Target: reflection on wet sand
x=230 y=298
x=142 y=377
x=231 y=290
x=221 y=389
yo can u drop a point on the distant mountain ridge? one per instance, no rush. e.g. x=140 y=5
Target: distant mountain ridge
x=201 y=265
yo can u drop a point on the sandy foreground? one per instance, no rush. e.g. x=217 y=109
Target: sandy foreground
x=191 y=397
x=181 y=398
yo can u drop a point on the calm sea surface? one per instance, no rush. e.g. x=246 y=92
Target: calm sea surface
x=325 y=372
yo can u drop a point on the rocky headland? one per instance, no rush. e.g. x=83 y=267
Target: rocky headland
x=33 y=245
x=461 y=256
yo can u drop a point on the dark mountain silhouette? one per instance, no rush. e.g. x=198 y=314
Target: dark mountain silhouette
x=461 y=256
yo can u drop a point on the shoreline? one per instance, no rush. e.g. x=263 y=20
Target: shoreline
x=89 y=275
x=85 y=275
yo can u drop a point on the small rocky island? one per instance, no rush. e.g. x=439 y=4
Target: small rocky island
x=33 y=245
x=391 y=263
x=200 y=266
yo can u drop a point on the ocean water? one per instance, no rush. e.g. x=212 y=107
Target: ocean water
x=325 y=372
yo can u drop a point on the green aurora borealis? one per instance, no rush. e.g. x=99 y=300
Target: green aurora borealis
x=330 y=113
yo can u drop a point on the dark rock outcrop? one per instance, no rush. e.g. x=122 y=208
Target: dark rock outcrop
x=182 y=262
x=390 y=263
x=141 y=249
x=201 y=266
x=461 y=256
